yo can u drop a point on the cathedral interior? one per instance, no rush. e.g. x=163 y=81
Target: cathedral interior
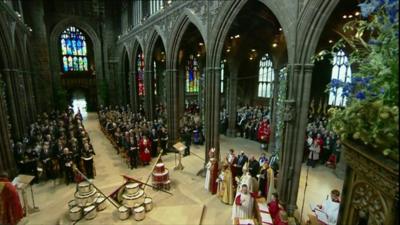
x=194 y=111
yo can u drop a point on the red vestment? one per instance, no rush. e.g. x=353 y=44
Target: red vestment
x=264 y=132
x=144 y=150
x=213 y=178
x=10 y=207
x=273 y=208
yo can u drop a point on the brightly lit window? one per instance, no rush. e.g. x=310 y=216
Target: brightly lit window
x=265 y=77
x=341 y=71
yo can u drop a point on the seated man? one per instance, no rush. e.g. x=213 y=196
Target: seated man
x=327 y=213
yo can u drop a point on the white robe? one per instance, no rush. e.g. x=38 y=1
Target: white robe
x=331 y=208
x=245 y=209
x=207 y=181
x=246 y=179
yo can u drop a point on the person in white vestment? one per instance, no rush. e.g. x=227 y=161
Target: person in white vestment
x=331 y=207
x=243 y=204
x=248 y=180
x=207 y=181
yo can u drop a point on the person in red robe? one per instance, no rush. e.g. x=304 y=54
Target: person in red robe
x=213 y=177
x=281 y=218
x=10 y=206
x=273 y=206
x=144 y=148
x=264 y=133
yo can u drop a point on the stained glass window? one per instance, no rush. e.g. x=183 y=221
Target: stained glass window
x=265 y=77
x=341 y=70
x=73 y=50
x=192 y=75
x=140 y=74
x=222 y=76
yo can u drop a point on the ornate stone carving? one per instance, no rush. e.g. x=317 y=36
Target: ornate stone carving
x=385 y=182
x=366 y=198
x=289 y=111
x=371 y=186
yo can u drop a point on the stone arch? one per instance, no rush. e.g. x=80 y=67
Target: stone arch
x=177 y=33
x=316 y=15
x=54 y=45
x=151 y=44
x=228 y=14
x=122 y=79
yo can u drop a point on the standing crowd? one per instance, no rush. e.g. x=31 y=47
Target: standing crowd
x=321 y=145
x=55 y=144
x=251 y=123
x=133 y=136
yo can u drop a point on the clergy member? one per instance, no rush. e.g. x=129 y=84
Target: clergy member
x=243 y=205
x=331 y=207
x=10 y=206
x=225 y=185
x=145 y=147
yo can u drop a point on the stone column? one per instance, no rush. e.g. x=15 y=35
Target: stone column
x=171 y=83
x=17 y=130
x=274 y=110
x=149 y=94
x=212 y=107
x=7 y=162
x=295 y=117
x=133 y=91
x=232 y=102
x=40 y=55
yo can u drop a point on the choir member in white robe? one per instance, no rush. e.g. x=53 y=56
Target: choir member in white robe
x=208 y=173
x=331 y=207
x=243 y=204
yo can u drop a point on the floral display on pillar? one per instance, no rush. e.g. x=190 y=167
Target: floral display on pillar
x=370 y=113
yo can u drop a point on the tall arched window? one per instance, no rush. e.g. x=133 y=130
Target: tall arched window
x=222 y=76
x=341 y=71
x=73 y=50
x=192 y=75
x=265 y=77
x=155 y=6
x=140 y=74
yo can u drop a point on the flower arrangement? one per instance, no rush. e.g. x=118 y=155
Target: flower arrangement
x=371 y=115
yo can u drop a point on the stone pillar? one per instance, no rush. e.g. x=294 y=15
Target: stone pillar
x=149 y=94
x=133 y=91
x=17 y=130
x=295 y=117
x=232 y=102
x=171 y=83
x=7 y=162
x=30 y=95
x=212 y=107
x=40 y=55
x=274 y=111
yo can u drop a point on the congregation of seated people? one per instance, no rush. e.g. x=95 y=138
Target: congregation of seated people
x=136 y=138
x=55 y=144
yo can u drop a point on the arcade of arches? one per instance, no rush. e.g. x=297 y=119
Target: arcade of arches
x=91 y=81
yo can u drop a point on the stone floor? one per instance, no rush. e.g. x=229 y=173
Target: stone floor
x=189 y=204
